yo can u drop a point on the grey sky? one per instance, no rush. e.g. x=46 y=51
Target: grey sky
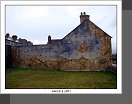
x=35 y=23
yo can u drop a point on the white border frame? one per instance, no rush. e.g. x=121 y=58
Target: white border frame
x=63 y=91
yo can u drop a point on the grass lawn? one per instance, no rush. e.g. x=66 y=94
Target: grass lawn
x=38 y=78
x=114 y=62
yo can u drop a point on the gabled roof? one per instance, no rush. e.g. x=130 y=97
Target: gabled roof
x=82 y=23
x=100 y=29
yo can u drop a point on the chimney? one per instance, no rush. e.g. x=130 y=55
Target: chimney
x=14 y=37
x=7 y=35
x=83 y=17
x=49 y=38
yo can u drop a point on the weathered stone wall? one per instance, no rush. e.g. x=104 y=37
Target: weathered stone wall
x=86 y=48
x=37 y=56
x=105 y=58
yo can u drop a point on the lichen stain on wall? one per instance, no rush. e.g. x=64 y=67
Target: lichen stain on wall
x=82 y=48
x=81 y=64
x=86 y=48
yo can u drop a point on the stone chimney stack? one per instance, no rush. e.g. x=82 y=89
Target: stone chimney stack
x=14 y=37
x=7 y=35
x=83 y=17
x=49 y=38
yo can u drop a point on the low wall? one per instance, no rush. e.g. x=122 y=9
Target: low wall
x=46 y=57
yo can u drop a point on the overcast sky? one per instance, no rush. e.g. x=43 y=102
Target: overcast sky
x=35 y=23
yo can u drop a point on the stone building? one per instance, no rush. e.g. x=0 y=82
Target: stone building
x=85 y=48
x=13 y=41
x=10 y=44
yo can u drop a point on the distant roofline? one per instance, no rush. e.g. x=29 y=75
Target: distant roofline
x=13 y=40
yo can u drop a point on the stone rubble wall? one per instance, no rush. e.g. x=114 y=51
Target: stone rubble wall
x=86 y=48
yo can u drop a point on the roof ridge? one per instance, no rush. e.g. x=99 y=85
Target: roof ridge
x=75 y=28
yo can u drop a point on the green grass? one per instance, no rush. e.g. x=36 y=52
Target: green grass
x=53 y=78
x=114 y=62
